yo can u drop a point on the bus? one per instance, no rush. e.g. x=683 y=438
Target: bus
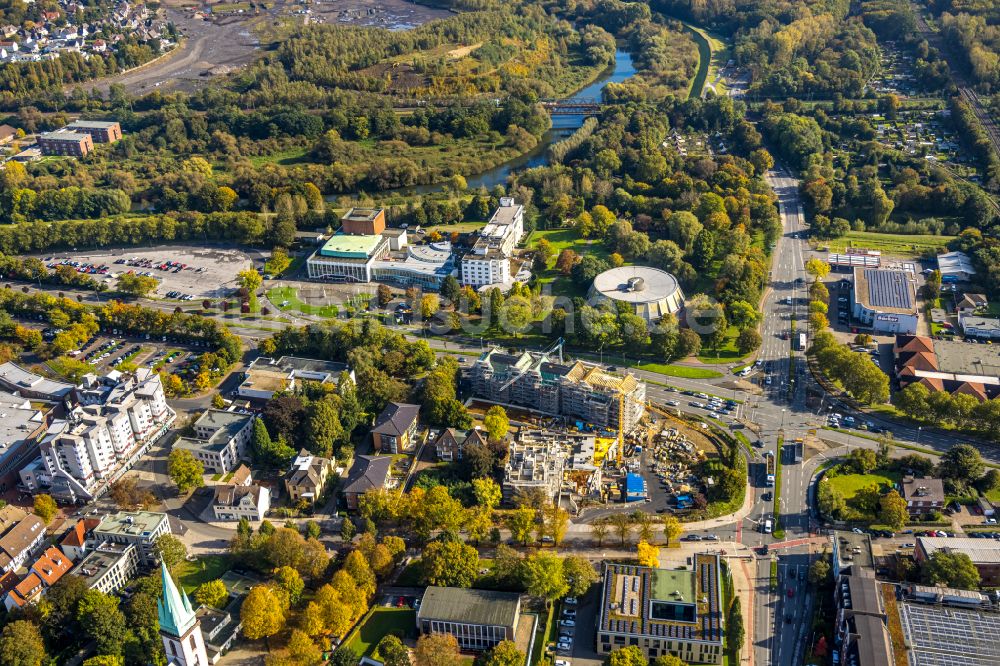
x=802 y=341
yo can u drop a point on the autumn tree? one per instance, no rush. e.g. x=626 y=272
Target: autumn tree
x=544 y=576
x=504 y=653
x=449 y=562
x=437 y=650
x=893 y=511
x=170 y=550
x=496 y=422
x=648 y=555
x=262 y=614
x=212 y=593
x=45 y=507
x=21 y=644
x=185 y=470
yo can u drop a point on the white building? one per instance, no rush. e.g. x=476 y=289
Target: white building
x=347 y=258
x=886 y=300
x=489 y=261
x=955 y=267
x=109 y=567
x=116 y=421
x=220 y=439
x=139 y=528
x=267 y=376
x=233 y=502
x=180 y=628
x=986 y=328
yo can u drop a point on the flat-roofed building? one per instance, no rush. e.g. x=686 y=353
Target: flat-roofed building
x=27 y=384
x=108 y=567
x=478 y=619
x=347 y=258
x=984 y=328
x=533 y=465
x=220 y=439
x=851 y=552
x=662 y=611
x=63 y=142
x=363 y=221
x=139 y=528
x=100 y=131
x=886 y=300
x=21 y=427
x=942 y=626
x=267 y=376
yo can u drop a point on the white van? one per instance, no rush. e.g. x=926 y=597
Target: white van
x=768 y=525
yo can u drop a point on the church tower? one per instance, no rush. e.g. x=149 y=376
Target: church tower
x=180 y=628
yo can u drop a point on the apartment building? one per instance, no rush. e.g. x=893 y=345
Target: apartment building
x=308 y=477
x=64 y=142
x=138 y=528
x=488 y=262
x=478 y=619
x=21 y=535
x=395 y=429
x=451 y=443
x=100 y=131
x=109 y=567
x=114 y=422
x=220 y=439
x=661 y=611
x=577 y=390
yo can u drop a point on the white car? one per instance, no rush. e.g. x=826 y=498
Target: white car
x=673 y=403
x=569 y=613
x=564 y=647
x=567 y=623
x=562 y=662
x=570 y=600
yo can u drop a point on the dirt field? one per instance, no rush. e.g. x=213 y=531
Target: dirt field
x=217 y=278
x=215 y=48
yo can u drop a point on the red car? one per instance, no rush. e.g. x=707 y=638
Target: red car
x=791 y=592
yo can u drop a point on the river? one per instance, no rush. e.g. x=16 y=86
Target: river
x=562 y=126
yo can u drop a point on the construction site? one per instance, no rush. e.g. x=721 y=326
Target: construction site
x=589 y=437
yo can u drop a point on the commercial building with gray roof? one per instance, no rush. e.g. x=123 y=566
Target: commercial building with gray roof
x=886 y=300
x=478 y=619
x=220 y=439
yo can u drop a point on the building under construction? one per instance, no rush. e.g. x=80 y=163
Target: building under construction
x=573 y=390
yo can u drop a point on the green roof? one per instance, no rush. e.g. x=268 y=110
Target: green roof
x=666 y=583
x=349 y=246
x=455 y=604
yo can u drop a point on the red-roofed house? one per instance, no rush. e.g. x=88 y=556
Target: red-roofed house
x=975 y=389
x=28 y=591
x=45 y=572
x=74 y=544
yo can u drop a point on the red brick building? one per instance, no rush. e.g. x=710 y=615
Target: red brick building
x=64 y=142
x=99 y=130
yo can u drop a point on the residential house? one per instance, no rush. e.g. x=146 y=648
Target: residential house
x=968 y=304
x=220 y=440
x=21 y=534
x=308 y=477
x=237 y=502
x=74 y=544
x=44 y=573
x=395 y=428
x=241 y=476
x=451 y=443
x=923 y=495
x=368 y=473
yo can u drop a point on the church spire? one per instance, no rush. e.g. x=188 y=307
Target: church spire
x=174 y=607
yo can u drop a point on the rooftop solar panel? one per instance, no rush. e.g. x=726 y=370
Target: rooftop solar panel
x=888 y=289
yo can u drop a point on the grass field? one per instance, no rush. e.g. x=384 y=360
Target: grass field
x=207 y=567
x=381 y=622
x=850 y=484
x=566 y=239
x=684 y=371
x=896 y=244
x=287 y=299
x=459 y=227
x=727 y=354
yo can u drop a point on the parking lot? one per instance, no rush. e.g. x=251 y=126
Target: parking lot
x=185 y=272
x=105 y=352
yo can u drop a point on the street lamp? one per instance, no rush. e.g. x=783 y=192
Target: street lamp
x=919 y=428
x=783 y=410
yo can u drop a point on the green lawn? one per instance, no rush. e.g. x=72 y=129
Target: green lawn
x=459 y=227
x=287 y=299
x=850 y=484
x=727 y=354
x=898 y=244
x=993 y=495
x=381 y=622
x=205 y=568
x=283 y=157
x=672 y=370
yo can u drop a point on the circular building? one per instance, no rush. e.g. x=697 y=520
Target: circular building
x=650 y=292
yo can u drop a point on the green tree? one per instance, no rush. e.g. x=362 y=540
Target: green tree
x=521 y=522
x=735 y=632
x=669 y=660
x=496 y=422
x=892 y=510
x=829 y=499
x=45 y=508
x=950 y=569
x=579 y=573
x=102 y=621
x=962 y=463
x=137 y=285
x=21 y=644
x=622 y=524
x=170 y=550
x=185 y=470
x=450 y=563
x=626 y=656
x=748 y=341
x=392 y=652
x=544 y=576
x=212 y=593
x=504 y=653
x=819 y=572
x=862 y=460
x=487 y=493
